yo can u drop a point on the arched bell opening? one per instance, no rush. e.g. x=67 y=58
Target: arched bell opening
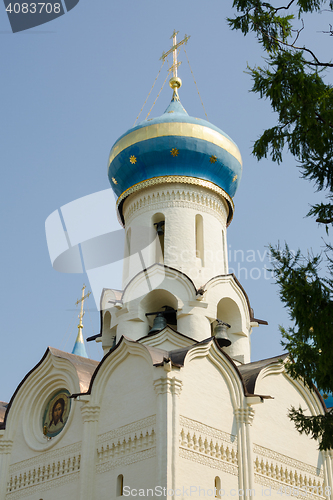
x=229 y=328
x=158 y=222
x=160 y=309
x=228 y=321
x=108 y=333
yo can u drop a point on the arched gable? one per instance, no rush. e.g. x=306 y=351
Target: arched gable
x=115 y=357
x=56 y=370
x=272 y=421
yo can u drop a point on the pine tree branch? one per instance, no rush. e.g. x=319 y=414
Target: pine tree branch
x=292 y=46
x=285 y=8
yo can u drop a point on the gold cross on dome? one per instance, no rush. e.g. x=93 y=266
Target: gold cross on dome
x=82 y=299
x=174 y=49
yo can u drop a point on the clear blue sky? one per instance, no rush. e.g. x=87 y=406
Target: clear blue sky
x=69 y=89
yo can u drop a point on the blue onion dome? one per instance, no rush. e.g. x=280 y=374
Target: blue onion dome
x=171 y=147
x=328 y=398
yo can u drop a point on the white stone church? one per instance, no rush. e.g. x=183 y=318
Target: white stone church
x=175 y=409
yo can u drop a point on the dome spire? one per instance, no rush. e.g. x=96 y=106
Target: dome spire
x=175 y=82
x=79 y=347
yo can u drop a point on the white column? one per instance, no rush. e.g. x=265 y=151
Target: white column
x=5 y=452
x=167 y=389
x=328 y=472
x=90 y=415
x=244 y=418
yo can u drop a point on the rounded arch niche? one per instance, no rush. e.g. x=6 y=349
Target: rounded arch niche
x=159 y=300
x=229 y=312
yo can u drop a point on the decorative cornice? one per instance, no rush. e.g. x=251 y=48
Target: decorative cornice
x=127 y=444
x=211 y=462
x=126 y=460
x=6 y=446
x=52 y=455
x=292 y=462
x=168 y=385
x=41 y=473
x=244 y=415
x=207 y=430
x=177 y=179
x=287 y=475
x=90 y=413
x=49 y=485
x=177 y=196
x=207 y=445
x=127 y=430
x=290 y=488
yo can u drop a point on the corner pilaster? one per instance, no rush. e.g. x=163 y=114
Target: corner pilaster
x=328 y=472
x=167 y=389
x=6 y=446
x=244 y=418
x=90 y=416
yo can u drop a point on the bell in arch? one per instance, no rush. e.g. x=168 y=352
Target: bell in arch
x=160 y=227
x=160 y=322
x=220 y=333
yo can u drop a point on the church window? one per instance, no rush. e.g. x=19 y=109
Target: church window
x=217 y=486
x=159 y=225
x=120 y=485
x=199 y=243
x=106 y=322
x=224 y=252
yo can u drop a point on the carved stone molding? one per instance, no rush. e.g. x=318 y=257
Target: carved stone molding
x=168 y=385
x=6 y=446
x=207 y=430
x=179 y=182
x=177 y=196
x=208 y=445
x=126 y=460
x=284 y=473
x=48 y=456
x=127 y=430
x=284 y=459
x=245 y=415
x=55 y=483
x=35 y=473
x=289 y=489
x=127 y=444
x=209 y=461
x=90 y=413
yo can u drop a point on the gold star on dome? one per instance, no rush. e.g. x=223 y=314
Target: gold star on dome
x=174 y=152
x=212 y=159
x=114 y=180
x=233 y=180
x=133 y=159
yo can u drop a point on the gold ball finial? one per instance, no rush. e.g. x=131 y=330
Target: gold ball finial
x=175 y=82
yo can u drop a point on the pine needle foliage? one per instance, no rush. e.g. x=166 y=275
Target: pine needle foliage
x=293 y=80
